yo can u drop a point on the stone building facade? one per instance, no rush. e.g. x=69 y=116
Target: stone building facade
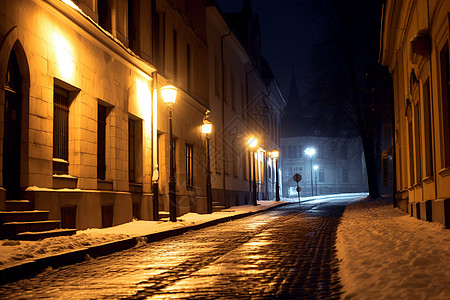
x=84 y=130
x=245 y=101
x=415 y=46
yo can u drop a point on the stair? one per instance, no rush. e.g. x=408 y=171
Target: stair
x=164 y=216
x=217 y=207
x=20 y=222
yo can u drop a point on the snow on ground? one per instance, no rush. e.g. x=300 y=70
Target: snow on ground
x=386 y=254
x=16 y=252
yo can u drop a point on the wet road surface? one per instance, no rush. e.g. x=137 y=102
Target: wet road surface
x=286 y=253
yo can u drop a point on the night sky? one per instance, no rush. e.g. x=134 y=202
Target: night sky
x=289 y=35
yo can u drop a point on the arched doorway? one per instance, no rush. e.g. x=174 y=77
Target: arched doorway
x=12 y=129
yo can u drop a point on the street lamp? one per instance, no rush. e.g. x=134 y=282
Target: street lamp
x=252 y=142
x=206 y=130
x=169 y=95
x=275 y=154
x=310 y=152
x=315 y=175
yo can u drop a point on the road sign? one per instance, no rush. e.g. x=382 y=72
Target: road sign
x=297 y=177
x=299 y=189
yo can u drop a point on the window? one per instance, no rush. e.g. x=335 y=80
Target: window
x=174 y=55
x=417 y=143
x=189 y=165
x=344 y=175
x=411 y=152
x=427 y=124
x=60 y=131
x=104 y=14
x=188 y=66
x=101 y=142
x=321 y=175
x=445 y=94
x=133 y=25
x=156 y=36
x=135 y=150
x=292 y=151
x=131 y=150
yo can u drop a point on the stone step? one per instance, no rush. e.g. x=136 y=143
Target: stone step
x=23 y=216
x=11 y=229
x=218 y=207
x=15 y=205
x=164 y=216
x=39 y=235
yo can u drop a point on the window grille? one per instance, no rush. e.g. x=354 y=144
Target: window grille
x=101 y=142
x=60 y=131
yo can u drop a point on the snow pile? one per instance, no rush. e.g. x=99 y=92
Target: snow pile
x=385 y=254
x=16 y=252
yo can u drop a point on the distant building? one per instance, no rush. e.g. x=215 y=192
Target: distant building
x=338 y=157
x=339 y=161
x=415 y=46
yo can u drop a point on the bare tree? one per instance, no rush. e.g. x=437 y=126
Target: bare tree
x=348 y=85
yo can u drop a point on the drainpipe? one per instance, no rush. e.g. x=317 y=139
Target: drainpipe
x=251 y=157
x=154 y=139
x=223 y=115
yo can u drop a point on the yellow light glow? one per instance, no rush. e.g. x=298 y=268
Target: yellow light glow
x=71 y=4
x=144 y=99
x=206 y=127
x=252 y=142
x=275 y=153
x=169 y=94
x=64 y=56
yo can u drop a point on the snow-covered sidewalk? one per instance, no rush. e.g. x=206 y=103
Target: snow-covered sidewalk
x=386 y=254
x=13 y=253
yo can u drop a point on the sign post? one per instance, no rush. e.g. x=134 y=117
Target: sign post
x=298 y=178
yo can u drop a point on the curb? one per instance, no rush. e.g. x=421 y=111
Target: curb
x=32 y=268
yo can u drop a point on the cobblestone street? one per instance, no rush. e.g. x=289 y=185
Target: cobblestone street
x=287 y=252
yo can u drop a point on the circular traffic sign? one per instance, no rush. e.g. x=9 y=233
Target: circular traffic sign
x=299 y=189
x=297 y=177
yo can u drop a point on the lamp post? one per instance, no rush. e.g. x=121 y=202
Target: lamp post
x=275 y=154
x=252 y=142
x=206 y=130
x=310 y=152
x=315 y=175
x=169 y=95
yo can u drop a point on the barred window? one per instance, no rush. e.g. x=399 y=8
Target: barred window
x=101 y=142
x=189 y=165
x=131 y=150
x=60 y=131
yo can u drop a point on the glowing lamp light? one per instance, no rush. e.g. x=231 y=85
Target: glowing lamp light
x=310 y=151
x=64 y=56
x=315 y=167
x=275 y=153
x=169 y=94
x=206 y=127
x=252 y=142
